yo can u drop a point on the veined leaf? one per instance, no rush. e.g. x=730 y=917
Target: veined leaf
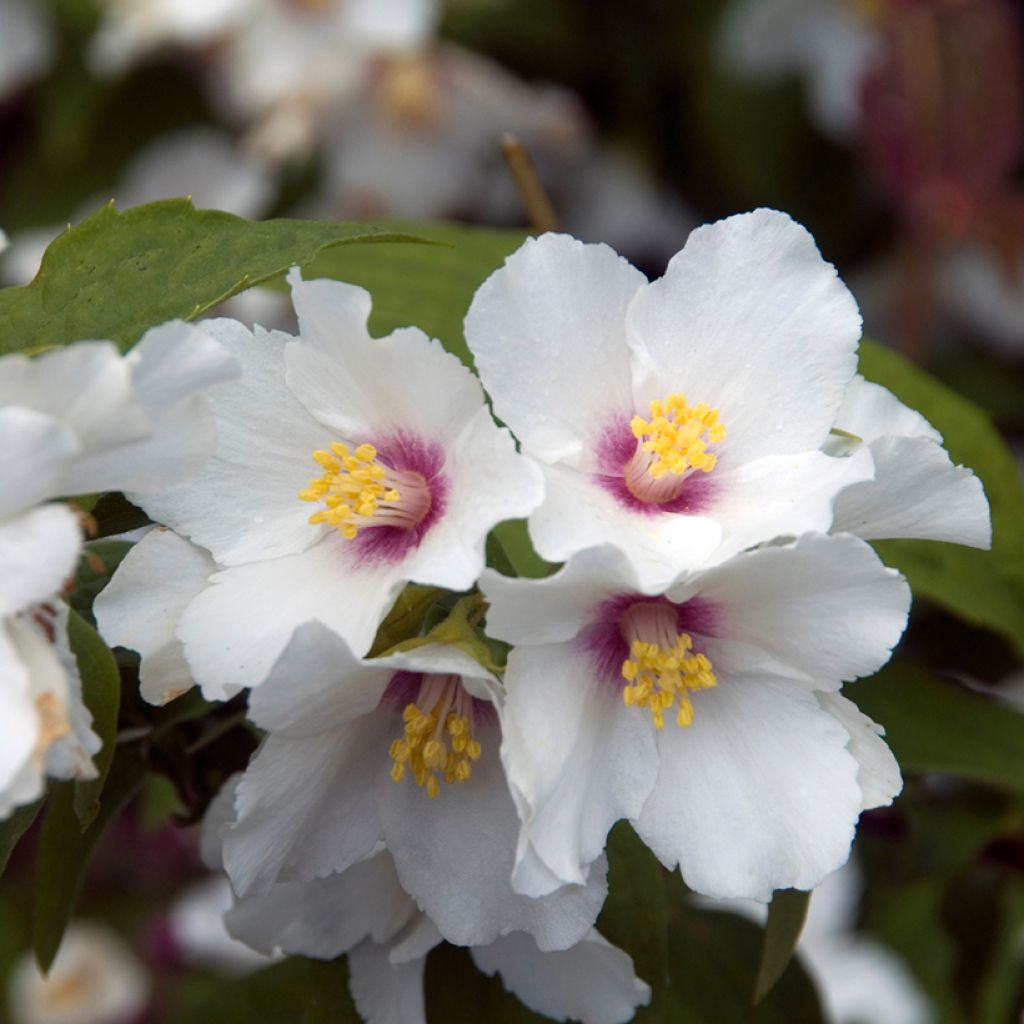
x=116 y=274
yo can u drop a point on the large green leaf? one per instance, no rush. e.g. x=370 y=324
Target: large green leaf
x=938 y=726
x=985 y=588
x=635 y=915
x=65 y=851
x=327 y=999
x=101 y=691
x=273 y=995
x=13 y=828
x=428 y=287
x=118 y=273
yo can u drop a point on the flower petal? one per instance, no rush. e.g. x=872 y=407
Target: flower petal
x=917 y=492
x=759 y=793
x=142 y=604
x=37 y=448
x=547 y=332
x=750 y=319
x=592 y=982
x=824 y=609
x=871 y=412
x=38 y=553
x=577 y=760
x=386 y=992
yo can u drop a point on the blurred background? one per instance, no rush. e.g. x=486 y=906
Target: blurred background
x=892 y=129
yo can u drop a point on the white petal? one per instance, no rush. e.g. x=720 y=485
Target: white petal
x=21 y=781
x=326 y=917
x=547 y=332
x=917 y=492
x=759 y=793
x=825 y=608
x=878 y=773
x=871 y=412
x=455 y=854
x=243 y=505
x=750 y=319
x=26 y=44
x=235 y=630
x=363 y=387
x=384 y=992
x=577 y=760
x=578 y=513
x=593 y=982
x=783 y=496
x=38 y=553
x=36 y=450
x=489 y=483
x=142 y=604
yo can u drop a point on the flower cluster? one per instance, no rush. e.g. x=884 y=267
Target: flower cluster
x=446 y=747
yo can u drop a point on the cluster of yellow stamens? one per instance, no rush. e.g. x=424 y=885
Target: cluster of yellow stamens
x=662 y=667
x=676 y=436
x=437 y=743
x=352 y=488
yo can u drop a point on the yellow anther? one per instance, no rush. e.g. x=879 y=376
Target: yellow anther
x=433 y=787
x=677 y=435
x=398 y=771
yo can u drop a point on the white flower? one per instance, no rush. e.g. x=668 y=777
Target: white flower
x=142 y=604
x=680 y=420
x=26 y=43
x=364 y=912
x=917 y=491
x=411 y=475
x=402 y=750
x=75 y=421
x=831 y=44
x=95 y=979
x=708 y=715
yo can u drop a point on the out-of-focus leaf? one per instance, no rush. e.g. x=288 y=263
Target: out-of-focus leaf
x=1003 y=984
x=65 y=851
x=514 y=540
x=786 y=915
x=937 y=726
x=428 y=287
x=117 y=274
x=635 y=915
x=327 y=999
x=101 y=691
x=273 y=995
x=114 y=513
x=457 y=993
x=985 y=588
x=13 y=828
x=713 y=963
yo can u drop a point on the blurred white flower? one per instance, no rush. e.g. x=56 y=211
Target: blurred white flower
x=412 y=475
x=95 y=979
x=26 y=43
x=707 y=715
x=680 y=420
x=829 y=43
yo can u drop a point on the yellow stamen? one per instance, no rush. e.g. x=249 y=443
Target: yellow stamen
x=662 y=667
x=677 y=435
x=437 y=742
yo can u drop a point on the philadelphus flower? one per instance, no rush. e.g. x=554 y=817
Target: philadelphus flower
x=345 y=466
x=708 y=714
x=26 y=43
x=76 y=421
x=402 y=750
x=364 y=912
x=681 y=420
x=95 y=979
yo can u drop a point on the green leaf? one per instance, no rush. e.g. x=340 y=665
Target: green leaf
x=117 y=274
x=406 y=618
x=512 y=539
x=713 y=960
x=635 y=914
x=327 y=999
x=457 y=993
x=13 y=828
x=786 y=915
x=273 y=995
x=65 y=851
x=938 y=726
x=985 y=588
x=430 y=288
x=114 y=513
x=101 y=691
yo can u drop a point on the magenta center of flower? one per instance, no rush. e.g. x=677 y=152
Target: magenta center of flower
x=357 y=490
x=670 y=446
